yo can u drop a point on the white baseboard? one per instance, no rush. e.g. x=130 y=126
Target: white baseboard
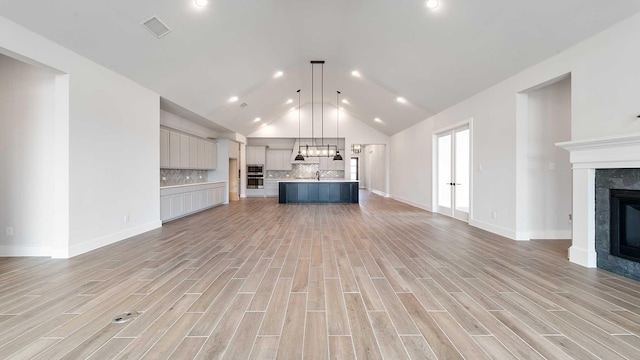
x=378 y=192
x=550 y=234
x=508 y=233
x=583 y=257
x=412 y=203
x=22 y=251
x=107 y=240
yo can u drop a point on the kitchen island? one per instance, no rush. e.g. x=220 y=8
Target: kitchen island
x=314 y=191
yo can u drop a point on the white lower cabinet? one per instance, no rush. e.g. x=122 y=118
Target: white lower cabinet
x=271 y=188
x=179 y=201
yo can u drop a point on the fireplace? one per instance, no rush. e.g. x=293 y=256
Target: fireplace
x=617 y=221
x=599 y=166
x=624 y=228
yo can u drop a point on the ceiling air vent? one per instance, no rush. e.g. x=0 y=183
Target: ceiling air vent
x=243 y=105
x=156 y=26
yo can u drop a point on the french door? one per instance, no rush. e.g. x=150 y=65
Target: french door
x=453 y=172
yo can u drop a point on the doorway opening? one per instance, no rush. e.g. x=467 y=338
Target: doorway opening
x=547 y=184
x=234 y=180
x=453 y=169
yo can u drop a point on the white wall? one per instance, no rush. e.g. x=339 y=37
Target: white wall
x=411 y=171
x=112 y=144
x=549 y=167
x=374 y=171
x=27 y=96
x=605 y=83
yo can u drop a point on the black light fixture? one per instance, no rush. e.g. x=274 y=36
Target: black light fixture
x=337 y=157
x=299 y=157
x=315 y=150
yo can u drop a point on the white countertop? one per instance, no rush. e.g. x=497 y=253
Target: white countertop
x=195 y=184
x=315 y=180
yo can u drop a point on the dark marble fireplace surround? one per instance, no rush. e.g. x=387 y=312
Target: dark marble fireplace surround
x=606 y=179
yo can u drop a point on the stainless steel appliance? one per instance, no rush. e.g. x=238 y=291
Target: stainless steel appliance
x=255 y=177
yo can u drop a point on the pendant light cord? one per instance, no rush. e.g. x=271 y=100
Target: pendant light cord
x=312 y=109
x=337 y=120
x=322 y=103
x=299 y=110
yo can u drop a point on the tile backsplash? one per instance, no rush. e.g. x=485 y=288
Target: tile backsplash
x=304 y=171
x=169 y=177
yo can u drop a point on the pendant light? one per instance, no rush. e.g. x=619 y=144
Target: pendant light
x=337 y=157
x=315 y=149
x=299 y=157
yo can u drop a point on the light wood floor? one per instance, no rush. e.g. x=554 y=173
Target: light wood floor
x=260 y=280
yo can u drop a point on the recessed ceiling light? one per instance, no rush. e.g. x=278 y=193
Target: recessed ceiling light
x=201 y=3
x=289 y=101
x=233 y=99
x=432 y=4
x=257 y=120
x=355 y=73
x=278 y=74
x=345 y=101
x=377 y=120
x=401 y=100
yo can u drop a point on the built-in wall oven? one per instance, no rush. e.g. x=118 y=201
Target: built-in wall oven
x=255 y=177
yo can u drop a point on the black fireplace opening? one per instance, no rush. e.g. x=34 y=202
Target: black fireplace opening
x=625 y=223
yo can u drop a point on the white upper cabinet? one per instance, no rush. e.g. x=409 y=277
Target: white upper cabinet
x=211 y=155
x=193 y=152
x=183 y=151
x=278 y=160
x=164 y=148
x=327 y=163
x=273 y=162
x=202 y=154
x=256 y=155
x=175 y=153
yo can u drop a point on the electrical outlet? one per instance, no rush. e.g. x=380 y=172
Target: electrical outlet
x=188 y=177
x=164 y=178
x=552 y=166
x=9 y=231
x=480 y=167
x=494 y=214
x=125 y=219
x=570 y=217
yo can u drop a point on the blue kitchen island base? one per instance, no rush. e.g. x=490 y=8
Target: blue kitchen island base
x=318 y=192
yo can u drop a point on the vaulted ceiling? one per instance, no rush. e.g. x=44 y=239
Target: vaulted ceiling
x=433 y=59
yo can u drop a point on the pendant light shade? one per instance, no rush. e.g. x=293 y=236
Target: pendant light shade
x=299 y=157
x=337 y=156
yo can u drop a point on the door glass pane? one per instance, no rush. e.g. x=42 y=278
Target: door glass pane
x=354 y=168
x=462 y=170
x=444 y=171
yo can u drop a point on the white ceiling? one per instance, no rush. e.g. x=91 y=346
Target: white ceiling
x=432 y=58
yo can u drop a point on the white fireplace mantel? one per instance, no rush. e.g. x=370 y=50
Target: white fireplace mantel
x=614 y=152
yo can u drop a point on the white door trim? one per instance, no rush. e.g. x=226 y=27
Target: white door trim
x=434 y=162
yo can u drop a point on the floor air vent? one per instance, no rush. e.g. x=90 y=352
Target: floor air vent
x=156 y=26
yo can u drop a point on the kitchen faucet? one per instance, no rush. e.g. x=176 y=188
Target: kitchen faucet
x=318 y=175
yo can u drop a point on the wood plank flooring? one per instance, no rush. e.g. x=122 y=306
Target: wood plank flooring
x=259 y=280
